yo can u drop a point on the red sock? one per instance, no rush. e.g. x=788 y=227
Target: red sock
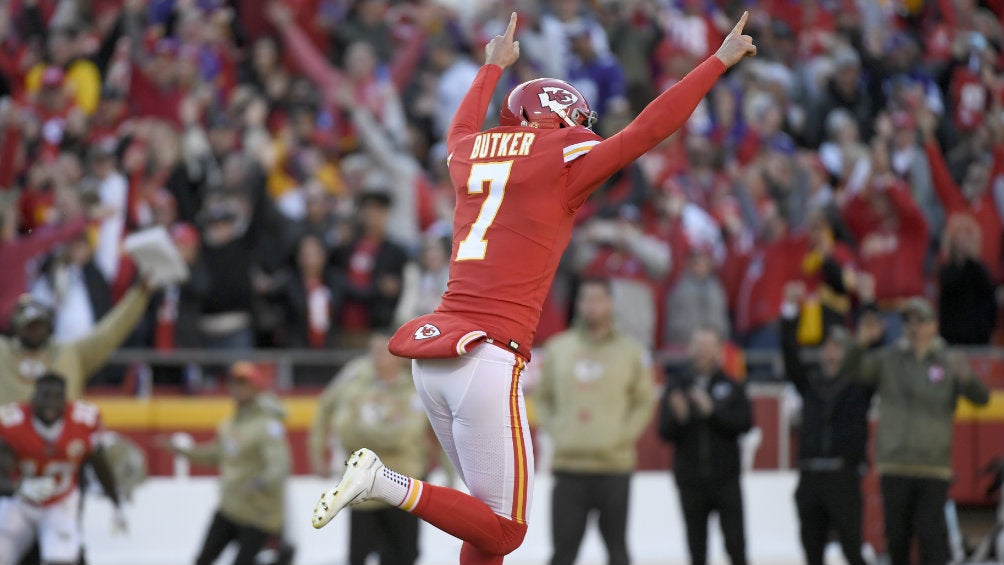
x=465 y=517
x=470 y=555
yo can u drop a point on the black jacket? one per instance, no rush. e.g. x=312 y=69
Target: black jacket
x=707 y=449
x=389 y=261
x=834 y=411
x=295 y=332
x=967 y=306
x=228 y=267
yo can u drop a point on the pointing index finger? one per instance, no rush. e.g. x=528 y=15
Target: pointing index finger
x=738 y=30
x=510 y=31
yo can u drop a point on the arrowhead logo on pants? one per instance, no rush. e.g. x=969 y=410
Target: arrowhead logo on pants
x=427 y=331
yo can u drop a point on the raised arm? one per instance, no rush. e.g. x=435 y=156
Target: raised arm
x=861 y=364
x=944 y=185
x=308 y=58
x=996 y=188
x=406 y=59
x=500 y=52
x=95 y=348
x=663 y=116
x=948 y=192
x=794 y=370
x=656 y=122
x=46 y=237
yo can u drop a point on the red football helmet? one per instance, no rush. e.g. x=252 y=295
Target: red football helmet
x=546 y=103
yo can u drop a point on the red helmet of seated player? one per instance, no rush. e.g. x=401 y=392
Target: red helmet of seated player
x=546 y=103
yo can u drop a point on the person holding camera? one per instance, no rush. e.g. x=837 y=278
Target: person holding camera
x=703 y=413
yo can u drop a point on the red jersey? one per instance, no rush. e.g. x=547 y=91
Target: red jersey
x=518 y=189
x=982 y=210
x=893 y=254
x=59 y=456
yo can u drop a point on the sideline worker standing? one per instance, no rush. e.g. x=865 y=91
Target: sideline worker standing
x=595 y=397
x=918 y=379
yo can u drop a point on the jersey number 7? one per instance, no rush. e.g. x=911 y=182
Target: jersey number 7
x=495 y=175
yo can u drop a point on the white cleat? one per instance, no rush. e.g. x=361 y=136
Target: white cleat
x=360 y=472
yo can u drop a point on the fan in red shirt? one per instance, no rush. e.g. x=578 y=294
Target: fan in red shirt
x=974 y=196
x=43 y=445
x=518 y=188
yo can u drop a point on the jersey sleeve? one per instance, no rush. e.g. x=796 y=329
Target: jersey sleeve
x=86 y=418
x=663 y=116
x=578 y=142
x=471 y=114
x=11 y=418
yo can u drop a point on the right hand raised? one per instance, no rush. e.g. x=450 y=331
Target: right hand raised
x=870 y=329
x=502 y=50
x=736 y=45
x=927 y=122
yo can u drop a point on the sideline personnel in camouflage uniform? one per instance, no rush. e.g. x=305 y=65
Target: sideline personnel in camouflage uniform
x=918 y=380
x=31 y=352
x=253 y=456
x=595 y=396
x=372 y=402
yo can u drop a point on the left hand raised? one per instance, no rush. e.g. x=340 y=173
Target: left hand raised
x=736 y=46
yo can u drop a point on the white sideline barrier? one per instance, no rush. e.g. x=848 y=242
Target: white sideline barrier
x=168 y=518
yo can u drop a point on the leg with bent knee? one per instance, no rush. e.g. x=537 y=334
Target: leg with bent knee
x=476 y=406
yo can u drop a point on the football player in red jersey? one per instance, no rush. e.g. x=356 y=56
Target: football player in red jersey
x=43 y=444
x=518 y=188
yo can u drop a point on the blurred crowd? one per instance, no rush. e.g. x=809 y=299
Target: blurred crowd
x=293 y=150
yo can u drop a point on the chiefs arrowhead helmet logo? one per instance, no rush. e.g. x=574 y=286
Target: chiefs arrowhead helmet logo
x=427 y=331
x=556 y=98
